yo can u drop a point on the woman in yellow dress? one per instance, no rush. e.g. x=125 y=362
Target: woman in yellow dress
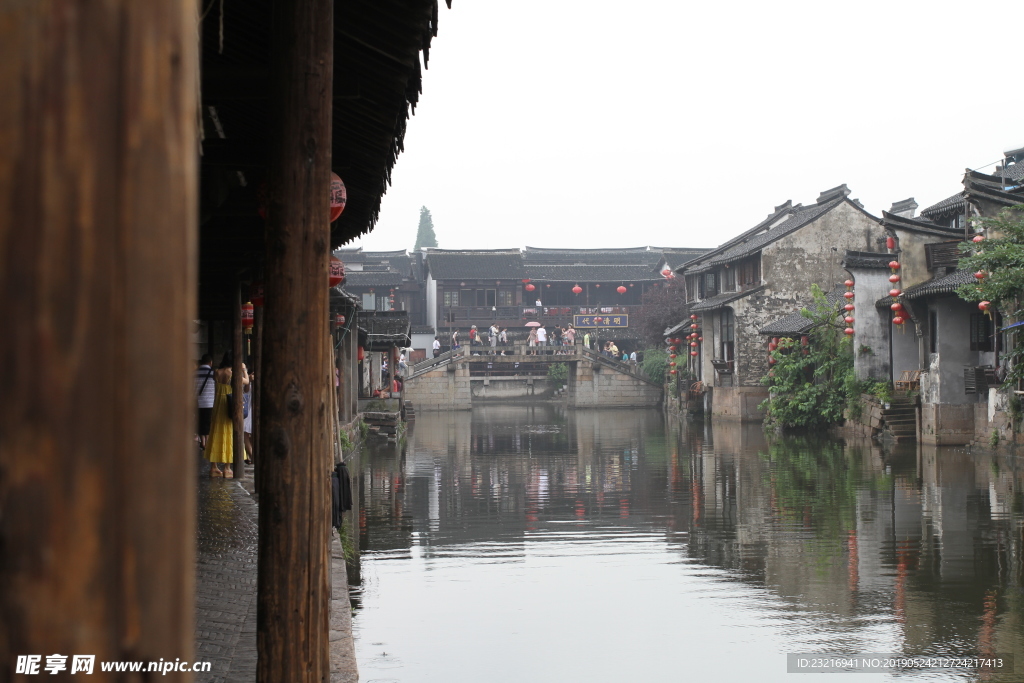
x=220 y=444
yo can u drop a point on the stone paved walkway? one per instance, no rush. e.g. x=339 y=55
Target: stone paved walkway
x=227 y=533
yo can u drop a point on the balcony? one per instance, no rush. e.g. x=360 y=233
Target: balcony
x=544 y=314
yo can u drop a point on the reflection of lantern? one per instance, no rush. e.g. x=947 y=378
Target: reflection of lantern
x=577 y=289
x=620 y=289
x=848 y=307
x=848 y=295
x=248 y=317
x=337 y=272
x=894 y=293
x=890 y=242
x=530 y=287
x=898 y=320
x=848 y=331
x=338 y=196
x=672 y=371
x=257 y=294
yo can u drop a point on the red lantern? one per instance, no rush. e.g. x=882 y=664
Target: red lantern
x=693 y=353
x=771 y=360
x=984 y=305
x=257 y=294
x=672 y=349
x=666 y=273
x=672 y=363
x=337 y=272
x=898 y=320
x=598 y=286
x=848 y=295
x=848 y=331
x=775 y=340
x=894 y=293
x=805 y=340
x=848 y=320
x=693 y=345
x=361 y=354
x=896 y=306
x=700 y=338
x=339 y=320
x=895 y=265
x=848 y=307
x=894 y=278
x=980 y=275
x=672 y=355
x=338 y=196
x=621 y=290
x=530 y=287
x=693 y=316
x=577 y=289
x=978 y=239
x=694 y=326
x=772 y=347
x=890 y=242
x=248 y=317
x=848 y=283
x=672 y=372
x=525 y=280
x=678 y=340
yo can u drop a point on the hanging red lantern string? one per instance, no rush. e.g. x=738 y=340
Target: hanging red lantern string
x=848 y=331
x=890 y=242
x=895 y=265
x=848 y=295
x=529 y=287
x=577 y=289
x=978 y=239
x=980 y=275
x=849 y=284
x=336 y=275
x=621 y=290
x=894 y=293
x=848 y=307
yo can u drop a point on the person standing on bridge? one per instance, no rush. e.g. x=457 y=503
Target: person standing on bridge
x=492 y=333
x=542 y=336
x=437 y=348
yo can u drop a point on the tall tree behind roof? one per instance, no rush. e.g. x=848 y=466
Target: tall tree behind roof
x=425 y=236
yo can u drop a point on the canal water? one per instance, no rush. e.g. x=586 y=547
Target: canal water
x=527 y=543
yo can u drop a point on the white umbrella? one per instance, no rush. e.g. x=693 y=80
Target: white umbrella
x=533 y=324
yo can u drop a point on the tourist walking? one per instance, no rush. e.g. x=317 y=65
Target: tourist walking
x=531 y=339
x=220 y=446
x=205 y=391
x=455 y=339
x=474 y=337
x=437 y=347
x=492 y=332
x=542 y=336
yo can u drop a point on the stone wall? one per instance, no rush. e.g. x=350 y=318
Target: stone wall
x=738 y=403
x=447 y=388
x=943 y=424
x=597 y=386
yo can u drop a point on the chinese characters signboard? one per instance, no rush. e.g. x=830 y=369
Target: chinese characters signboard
x=605 y=320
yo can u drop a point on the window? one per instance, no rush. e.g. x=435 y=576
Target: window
x=981 y=332
x=933 y=332
x=691 y=287
x=750 y=273
x=729 y=279
x=485 y=297
x=727 y=347
x=505 y=297
x=708 y=285
x=451 y=298
x=369 y=301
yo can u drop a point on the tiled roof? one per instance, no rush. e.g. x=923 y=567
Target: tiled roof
x=722 y=299
x=947 y=284
x=356 y=278
x=947 y=205
x=1013 y=172
x=502 y=264
x=796 y=323
x=867 y=259
x=385 y=326
x=890 y=220
x=649 y=256
x=990 y=188
x=760 y=235
x=592 y=273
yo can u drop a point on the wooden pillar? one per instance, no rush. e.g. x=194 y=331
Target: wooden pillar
x=237 y=444
x=98 y=220
x=293 y=597
x=257 y=369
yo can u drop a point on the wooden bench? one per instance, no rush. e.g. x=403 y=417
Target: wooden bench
x=910 y=380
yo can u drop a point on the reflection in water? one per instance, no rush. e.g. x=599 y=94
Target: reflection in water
x=525 y=543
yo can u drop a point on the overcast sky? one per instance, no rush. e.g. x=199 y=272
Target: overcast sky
x=564 y=123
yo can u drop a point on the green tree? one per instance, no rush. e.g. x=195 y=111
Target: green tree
x=1001 y=258
x=811 y=385
x=425 y=236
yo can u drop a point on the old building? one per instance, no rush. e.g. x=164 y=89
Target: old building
x=764 y=274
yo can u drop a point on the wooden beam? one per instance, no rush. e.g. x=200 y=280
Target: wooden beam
x=98 y=207
x=238 y=358
x=293 y=597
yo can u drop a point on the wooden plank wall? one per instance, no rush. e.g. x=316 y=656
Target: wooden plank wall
x=98 y=206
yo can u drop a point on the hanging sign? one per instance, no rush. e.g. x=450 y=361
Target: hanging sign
x=338 y=196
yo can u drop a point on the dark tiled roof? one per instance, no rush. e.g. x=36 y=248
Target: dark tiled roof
x=592 y=273
x=649 y=256
x=867 y=259
x=722 y=299
x=760 y=236
x=796 y=324
x=947 y=205
x=680 y=257
x=355 y=278
x=990 y=188
x=502 y=264
x=385 y=326
x=947 y=284
x=1014 y=172
x=929 y=227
